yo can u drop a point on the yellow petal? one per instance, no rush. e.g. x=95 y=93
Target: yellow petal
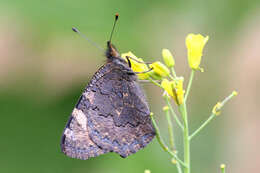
x=169 y=88
x=195 y=44
x=179 y=90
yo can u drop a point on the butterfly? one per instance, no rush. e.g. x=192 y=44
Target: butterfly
x=112 y=114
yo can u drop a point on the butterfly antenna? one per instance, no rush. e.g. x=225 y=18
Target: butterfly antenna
x=86 y=38
x=115 y=21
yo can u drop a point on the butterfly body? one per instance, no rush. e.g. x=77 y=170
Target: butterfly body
x=112 y=114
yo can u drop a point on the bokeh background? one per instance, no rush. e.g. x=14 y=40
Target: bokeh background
x=44 y=67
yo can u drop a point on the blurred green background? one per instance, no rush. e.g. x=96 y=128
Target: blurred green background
x=44 y=67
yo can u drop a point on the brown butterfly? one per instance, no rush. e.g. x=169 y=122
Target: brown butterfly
x=112 y=114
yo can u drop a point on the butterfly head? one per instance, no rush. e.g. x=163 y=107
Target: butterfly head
x=111 y=52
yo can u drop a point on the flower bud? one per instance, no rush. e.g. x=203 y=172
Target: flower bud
x=154 y=75
x=168 y=58
x=160 y=69
x=174 y=161
x=222 y=166
x=234 y=93
x=216 y=108
x=165 y=108
x=195 y=45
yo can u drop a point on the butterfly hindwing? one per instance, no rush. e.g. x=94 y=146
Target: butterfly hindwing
x=76 y=142
x=113 y=115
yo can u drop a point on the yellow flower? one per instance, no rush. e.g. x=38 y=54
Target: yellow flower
x=174 y=89
x=160 y=69
x=179 y=90
x=168 y=87
x=136 y=66
x=168 y=58
x=195 y=45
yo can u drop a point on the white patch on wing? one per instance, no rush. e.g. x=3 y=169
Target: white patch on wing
x=68 y=133
x=80 y=118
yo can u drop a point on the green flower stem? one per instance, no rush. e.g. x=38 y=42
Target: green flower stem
x=177 y=158
x=173 y=72
x=189 y=85
x=155 y=83
x=178 y=167
x=173 y=113
x=223 y=168
x=234 y=93
x=186 y=141
x=213 y=114
x=170 y=128
x=171 y=136
x=168 y=103
x=171 y=77
x=162 y=144
x=202 y=126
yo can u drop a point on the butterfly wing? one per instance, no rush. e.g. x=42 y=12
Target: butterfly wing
x=76 y=142
x=116 y=115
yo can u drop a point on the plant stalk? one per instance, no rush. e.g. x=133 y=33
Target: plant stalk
x=186 y=141
x=202 y=126
x=173 y=113
x=170 y=129
x=162 y=143
x=189 y=85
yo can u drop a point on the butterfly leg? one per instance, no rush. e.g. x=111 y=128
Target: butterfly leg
x=141 y=72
